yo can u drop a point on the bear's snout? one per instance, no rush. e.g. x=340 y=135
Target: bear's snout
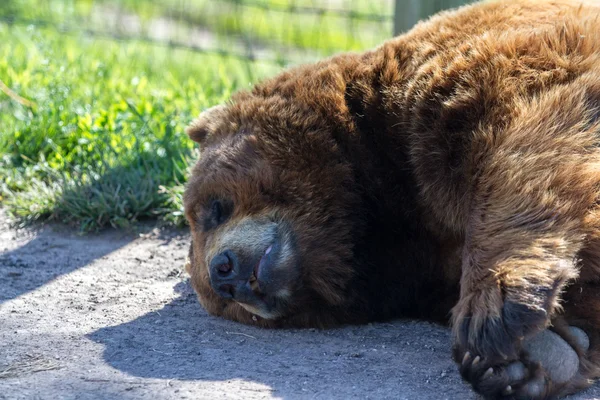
x=252 y=261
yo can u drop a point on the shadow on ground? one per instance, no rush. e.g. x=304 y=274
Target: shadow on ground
x=182 y=342
x=47 y=256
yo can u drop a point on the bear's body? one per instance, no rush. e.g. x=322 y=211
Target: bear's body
x=456 y=167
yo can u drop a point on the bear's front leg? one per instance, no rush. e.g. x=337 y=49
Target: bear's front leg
x=507 y=299
x=520 y=250
x=522 y=239
x=530 y=209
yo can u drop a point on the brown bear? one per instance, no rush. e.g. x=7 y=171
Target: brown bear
x=454 y=170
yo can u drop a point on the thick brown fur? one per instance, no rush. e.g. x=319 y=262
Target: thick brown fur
x=456 y=167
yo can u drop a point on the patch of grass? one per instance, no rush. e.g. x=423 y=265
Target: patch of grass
x=104 y=141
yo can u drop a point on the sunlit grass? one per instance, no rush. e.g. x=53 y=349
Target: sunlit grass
x=103 y=142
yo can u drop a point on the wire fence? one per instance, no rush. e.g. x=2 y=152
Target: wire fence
x=279 y=31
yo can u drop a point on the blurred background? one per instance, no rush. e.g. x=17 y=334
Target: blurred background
x=95 y=94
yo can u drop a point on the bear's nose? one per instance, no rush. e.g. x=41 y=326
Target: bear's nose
x=222 y=264
x=224 y=272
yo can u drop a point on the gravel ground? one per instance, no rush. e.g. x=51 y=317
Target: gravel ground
x=112 y=316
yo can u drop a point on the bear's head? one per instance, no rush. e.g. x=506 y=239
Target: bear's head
x=272 y=211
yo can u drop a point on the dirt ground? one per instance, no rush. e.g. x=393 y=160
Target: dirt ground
x=112 y=316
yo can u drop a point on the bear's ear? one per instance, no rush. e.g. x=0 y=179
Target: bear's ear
x=204 y=125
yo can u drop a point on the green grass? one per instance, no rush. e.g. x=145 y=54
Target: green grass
x=92 y=129
x=104 y=142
